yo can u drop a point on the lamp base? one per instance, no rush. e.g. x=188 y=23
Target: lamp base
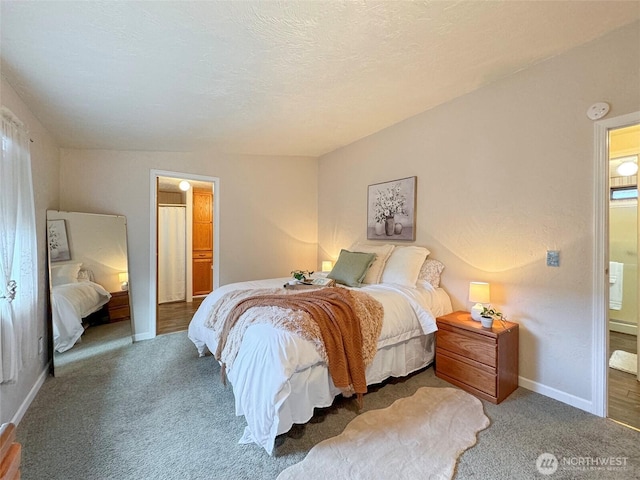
x=476 y=312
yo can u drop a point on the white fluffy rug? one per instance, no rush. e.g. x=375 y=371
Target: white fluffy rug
x=416 y=437
x=624 y=361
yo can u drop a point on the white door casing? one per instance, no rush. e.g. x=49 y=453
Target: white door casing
x=600 y=258
x=153 y=225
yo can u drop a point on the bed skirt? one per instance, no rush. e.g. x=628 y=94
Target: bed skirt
x=312 y=387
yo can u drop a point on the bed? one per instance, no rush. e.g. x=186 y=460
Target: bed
x=278 y=378
x=74 y=296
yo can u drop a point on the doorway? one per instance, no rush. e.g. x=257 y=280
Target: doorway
x=178 y=201
x=623 y=389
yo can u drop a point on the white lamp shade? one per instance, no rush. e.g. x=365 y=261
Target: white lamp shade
x=184 y=185
x=479 y=292
x=327 y=265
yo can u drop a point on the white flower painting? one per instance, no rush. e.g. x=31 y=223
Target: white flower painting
x=391 y=209
x=58 y=244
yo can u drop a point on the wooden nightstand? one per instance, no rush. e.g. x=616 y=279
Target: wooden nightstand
x=482 y=361
x=10 y=452
x=118 y=306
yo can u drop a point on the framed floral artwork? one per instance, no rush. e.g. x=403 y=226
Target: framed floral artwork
x=58 y=243
x=391 y=210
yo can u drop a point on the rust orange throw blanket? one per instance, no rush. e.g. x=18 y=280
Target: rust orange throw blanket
x=338 y=314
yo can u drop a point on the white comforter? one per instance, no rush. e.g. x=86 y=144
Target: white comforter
x=269 y=357
x=70 y=303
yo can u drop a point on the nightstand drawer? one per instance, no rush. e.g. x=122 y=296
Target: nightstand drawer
x=118 y=301
x=478 y=376
x=468 y=345
x=118 y=306
x=118 y=313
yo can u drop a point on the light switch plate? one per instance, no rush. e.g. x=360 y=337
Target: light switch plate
x=553 y=258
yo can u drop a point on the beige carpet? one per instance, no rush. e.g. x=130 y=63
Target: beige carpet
x=624 y=361
x=416 y=437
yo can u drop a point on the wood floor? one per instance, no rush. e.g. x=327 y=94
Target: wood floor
x=624 y=388
x=175 y=317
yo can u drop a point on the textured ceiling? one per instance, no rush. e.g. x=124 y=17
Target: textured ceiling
x=286 y=78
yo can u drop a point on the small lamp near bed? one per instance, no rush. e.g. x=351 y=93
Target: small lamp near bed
x=123 y=278
x=479 y=293
x=327 y=265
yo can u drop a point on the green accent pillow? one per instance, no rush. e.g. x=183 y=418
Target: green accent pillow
x=351 y=267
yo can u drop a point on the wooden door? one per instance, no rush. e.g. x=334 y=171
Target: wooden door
x=202 y=241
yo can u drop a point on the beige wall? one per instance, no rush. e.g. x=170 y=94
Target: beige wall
x=45 y=167
x=267 y=223
x=493 y=196
x=623 y=248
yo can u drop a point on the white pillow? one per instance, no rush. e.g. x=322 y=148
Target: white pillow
x=404 y=265
x=382 y=255
x=67 y=273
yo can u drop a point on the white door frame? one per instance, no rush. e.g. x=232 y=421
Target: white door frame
x=153 y=222
x=600 y=326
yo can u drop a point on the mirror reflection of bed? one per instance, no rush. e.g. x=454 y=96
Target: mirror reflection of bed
x=89 y=287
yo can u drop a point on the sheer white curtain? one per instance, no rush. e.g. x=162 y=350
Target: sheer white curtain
x=18 y=254
x=172 y=278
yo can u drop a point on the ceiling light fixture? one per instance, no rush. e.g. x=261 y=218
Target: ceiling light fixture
x=628 y=166
x=184 y=185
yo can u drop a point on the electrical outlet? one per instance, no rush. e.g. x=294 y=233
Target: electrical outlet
x=553 y=258
x=40 y=346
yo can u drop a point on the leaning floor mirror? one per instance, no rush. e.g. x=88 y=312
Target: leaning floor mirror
x=88 y=286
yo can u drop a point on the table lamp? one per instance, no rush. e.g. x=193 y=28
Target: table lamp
x=479 y=293
x=123 y=278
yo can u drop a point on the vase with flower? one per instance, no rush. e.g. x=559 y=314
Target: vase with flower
x=301 y=276
x=388 y=204
x=54 y=242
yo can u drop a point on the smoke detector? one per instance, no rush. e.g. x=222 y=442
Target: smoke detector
x=598 y=110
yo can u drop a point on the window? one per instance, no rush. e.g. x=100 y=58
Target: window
x=623 y=193
x=18 y=254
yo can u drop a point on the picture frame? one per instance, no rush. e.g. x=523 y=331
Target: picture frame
x=57 y=239
x=391 y=210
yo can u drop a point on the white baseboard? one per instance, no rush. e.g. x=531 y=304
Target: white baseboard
x=623 y=327
x=559 y=395
x=32 y=394
x=142 y=336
